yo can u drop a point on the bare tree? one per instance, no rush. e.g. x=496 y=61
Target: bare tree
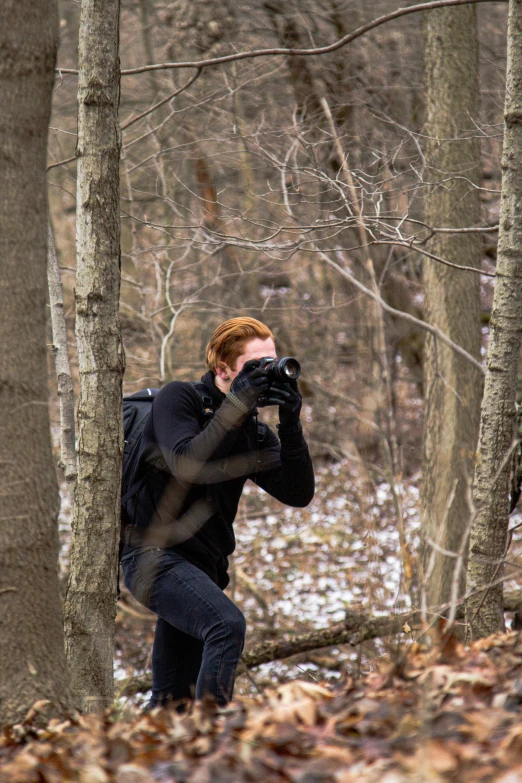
x=497 y=439
x=91 y=590
x=452 y=386
x=31 y=635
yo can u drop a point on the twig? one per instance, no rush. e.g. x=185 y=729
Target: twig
x=434 y=330
x=162 y=102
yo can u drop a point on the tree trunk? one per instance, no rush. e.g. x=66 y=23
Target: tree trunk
x=91 y=591
x=63 y=367
x=452 y=386
x=31 y=636
x=498 y=419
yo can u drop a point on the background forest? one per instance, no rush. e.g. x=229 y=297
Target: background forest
x=235 y=195
x=360 y=195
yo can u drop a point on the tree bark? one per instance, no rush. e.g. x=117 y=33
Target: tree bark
x=498 y=416
x=91 y=591
x=31 y=635
x=452 y=386
x=63 y=367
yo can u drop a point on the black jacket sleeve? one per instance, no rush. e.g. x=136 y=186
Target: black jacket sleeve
x=193 y=454
x=292 y=481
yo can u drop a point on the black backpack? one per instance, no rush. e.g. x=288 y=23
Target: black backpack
x=136 y=410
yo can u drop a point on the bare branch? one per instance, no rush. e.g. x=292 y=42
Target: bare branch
x=297 y=52
x=414 y=246
x=357 y=628
x=434 y=330
x=162 y=102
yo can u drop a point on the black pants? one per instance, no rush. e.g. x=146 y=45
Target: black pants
x=200 y=633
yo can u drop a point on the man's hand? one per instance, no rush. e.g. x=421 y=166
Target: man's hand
x=251 y=383
x=287 y=396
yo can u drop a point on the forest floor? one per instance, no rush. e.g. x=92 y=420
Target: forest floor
x=445 y=714
x=386 y=711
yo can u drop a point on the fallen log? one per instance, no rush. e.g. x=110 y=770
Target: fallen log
x=356 y=628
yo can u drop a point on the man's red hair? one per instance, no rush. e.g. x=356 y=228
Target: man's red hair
x=229 y=339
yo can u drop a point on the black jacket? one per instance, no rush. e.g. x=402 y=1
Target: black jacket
x=191 y=508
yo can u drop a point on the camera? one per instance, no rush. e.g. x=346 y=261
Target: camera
x=283 y=370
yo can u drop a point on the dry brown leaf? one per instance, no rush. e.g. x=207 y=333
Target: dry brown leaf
x=434 y=756
x=476 y=679
x=510 y=751
x=498 y=640
x=132 y=773
x=93 y=773
x=288 y=739
x=23 y=769
x=37 y=709
x=200 y=746
x=436 y=677
x=513 y=776
x=293 y=703
x=294 y=691
x=342 y=755
x=480 y=725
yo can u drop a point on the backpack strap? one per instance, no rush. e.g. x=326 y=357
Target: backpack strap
x=207 y=412
x=206 y=400
x=135 y=488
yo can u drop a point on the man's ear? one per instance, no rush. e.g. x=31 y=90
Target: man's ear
x=223 y=371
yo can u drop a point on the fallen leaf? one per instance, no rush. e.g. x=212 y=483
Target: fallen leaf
x=93 y=773
x=23 y=769
x=132 y=773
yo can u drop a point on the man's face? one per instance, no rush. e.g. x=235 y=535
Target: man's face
x=254 y=349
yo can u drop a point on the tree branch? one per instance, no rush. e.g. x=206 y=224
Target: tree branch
x=357 y=628
x=132 y=120
x=415 y=247
x=297 y=52
x=162 y=102
x=434 y=330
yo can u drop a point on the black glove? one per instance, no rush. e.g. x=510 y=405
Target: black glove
x=287 y=396
x=251 y=383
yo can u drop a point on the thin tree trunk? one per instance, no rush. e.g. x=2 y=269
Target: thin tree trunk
x=452 y=386
x=498 y=419
x=146 y=24
x=63 y=367
x=31 y=636
x=91 y=590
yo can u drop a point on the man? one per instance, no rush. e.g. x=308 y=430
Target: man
x=180 y=530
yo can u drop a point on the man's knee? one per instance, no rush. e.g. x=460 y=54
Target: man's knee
x=230 y=626
x=238 y=625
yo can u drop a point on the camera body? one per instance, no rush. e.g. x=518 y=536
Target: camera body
x=283 y=370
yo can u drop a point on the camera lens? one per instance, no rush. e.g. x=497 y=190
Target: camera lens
x=290 y=368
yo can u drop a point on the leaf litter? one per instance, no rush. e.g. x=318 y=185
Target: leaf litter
x=429 y=715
